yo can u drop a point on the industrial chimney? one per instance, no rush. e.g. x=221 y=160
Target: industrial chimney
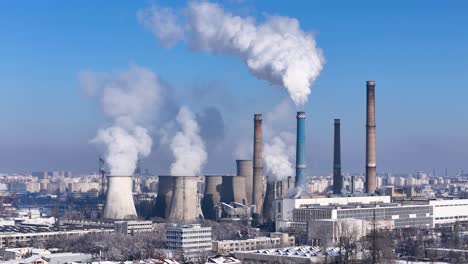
x=257 y=194
x=244 y=168
x=337 y=177
x=300 y=149
x=370 y=138
x=119 y=199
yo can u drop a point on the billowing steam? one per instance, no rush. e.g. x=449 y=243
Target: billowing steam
x=279 y=155
x=276 y=50
x=126 y=97
x=187 y=146
x=279 y=144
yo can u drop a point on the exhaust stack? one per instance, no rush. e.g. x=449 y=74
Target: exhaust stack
x=257 y=194
x=119 y=199
x=300 y=149
x=337 y=177
x=370 y=138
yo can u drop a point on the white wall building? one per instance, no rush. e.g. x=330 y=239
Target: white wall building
x=283 y=208
x=133 y=227
x=191 y=241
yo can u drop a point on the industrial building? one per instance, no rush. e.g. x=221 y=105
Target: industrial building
x=445 y=211
x=13 y=239
x=401 y=216
x=292 y=255
x=133 y=227
x=191 y=241
x=284 y=207
x=276 y=240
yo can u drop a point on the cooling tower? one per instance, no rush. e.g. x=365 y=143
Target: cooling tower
x=163 y=200
x=268 y=204
x=184 y=203
x=370 y=138
x=244 y=168
x=337 y=177
x=212 y=197
x=233 y=189
x=300 y=149
x=119 y=200
x=257 y=194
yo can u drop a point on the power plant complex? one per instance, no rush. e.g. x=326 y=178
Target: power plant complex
x=248 y=195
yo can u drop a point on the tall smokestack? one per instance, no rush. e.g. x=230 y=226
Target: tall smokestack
x=370 y=138
x=337 y=177
x=300 y=148
x=258 y=165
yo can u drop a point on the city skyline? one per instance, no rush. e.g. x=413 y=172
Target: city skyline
x=416 y=57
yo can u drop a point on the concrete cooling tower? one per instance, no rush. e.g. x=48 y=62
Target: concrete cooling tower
x=212 y=197
x=233 y=190
x=185 y=206
x=163 y=200
x=244 y=168
x=119 y=199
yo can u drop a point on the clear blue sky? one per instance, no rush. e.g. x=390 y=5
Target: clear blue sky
x=417 y=51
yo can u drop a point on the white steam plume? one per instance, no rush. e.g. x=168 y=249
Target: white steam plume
x=279 y=155
x=127 y=98
x=276 y=50
x=279 y=146
x=187 y=146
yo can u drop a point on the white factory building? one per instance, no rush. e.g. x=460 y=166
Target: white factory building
x=445 y=211
x=284 y=208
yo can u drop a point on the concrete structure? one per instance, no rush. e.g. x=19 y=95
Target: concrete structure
x=300 y=149
x=268 y=203
x=191 y=241
x=370 y=138
x=257 y=194
x=231 y=246
x=284 y=208
x=163 y=200
x=337 y=177
x=185 y=207
x=133 y=227
x=119 y=200
x=212 y=197
x=238 y=189
x=244 y=168
x=283 y=188
x=68 y=257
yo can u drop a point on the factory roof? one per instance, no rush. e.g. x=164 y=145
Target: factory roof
x=355 y=206
x=301 y=251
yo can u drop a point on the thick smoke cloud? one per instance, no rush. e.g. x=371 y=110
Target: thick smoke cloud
x=127 y=98
x=276 y=50
x=187 y=146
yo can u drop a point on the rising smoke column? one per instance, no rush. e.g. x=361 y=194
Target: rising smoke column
x=127 y=98
x=279 y=148
x=276 y=50
x=187 y=146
